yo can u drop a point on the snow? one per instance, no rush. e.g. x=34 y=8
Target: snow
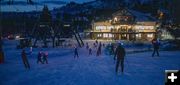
x=142 y=16
x=63 y=69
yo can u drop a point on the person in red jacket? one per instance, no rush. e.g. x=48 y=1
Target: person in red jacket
x=25 y=60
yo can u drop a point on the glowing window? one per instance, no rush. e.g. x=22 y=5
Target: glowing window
x=100 y=27
x=115 y=19
x=109 y=27
x=105 y=35
x=110 y=35
x=138 y=35
x=150 y=35
x=99 y=35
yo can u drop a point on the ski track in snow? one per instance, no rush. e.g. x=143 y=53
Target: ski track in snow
x=63 y=69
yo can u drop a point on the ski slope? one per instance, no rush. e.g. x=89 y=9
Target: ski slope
x=63 y=69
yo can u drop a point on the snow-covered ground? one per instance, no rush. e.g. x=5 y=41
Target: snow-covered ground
x=63 y=69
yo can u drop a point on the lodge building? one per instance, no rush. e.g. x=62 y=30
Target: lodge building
x=125 y=25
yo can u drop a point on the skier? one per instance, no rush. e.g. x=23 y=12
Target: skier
x=39 y=57
x=25 y=60
x=99 y=50
x=112 y=49
x=119 y=57
x=156 y=45
x=45 y=55
x=76 y=52
x=103 y=45
x=90 y=51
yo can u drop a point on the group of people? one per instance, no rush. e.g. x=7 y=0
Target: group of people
x=97 y=45
x=119 y=54
x=42 y=57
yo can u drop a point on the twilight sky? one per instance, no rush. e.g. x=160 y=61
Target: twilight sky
x=27 y=7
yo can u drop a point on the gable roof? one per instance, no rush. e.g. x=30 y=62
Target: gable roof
x=122 y=12
x=139 y=16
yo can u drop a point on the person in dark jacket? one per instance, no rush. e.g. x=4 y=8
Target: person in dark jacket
x=119 y=57
x=45 y=56
x=25 y=60
x=96 y=41
x=39 y=58
x=99 y=50
x=87 y=46
x=76 y=52
x=112 y=49
x=90 y=51
x=156 y=45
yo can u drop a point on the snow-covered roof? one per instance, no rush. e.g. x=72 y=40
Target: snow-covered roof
x=140 y=17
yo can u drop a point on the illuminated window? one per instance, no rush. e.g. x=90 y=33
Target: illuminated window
x=110 y=35
x=100 y=27
x=105 y=35
x=109 y=27
x=150 y=35
x=144 y=27
x=138 y=35
x=99 y=35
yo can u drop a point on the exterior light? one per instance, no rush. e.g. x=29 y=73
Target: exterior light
x=67 y=25
x=115 y=19
x=110 y=20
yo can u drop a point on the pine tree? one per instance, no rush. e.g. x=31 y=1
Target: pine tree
x=46 y=15
x=175 y=11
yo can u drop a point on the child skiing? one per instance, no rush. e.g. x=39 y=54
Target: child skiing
x=39 y=57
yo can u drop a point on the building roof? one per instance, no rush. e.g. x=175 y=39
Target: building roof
x=141 y=17
x=102 y=23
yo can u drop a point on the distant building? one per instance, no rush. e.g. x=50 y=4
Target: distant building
x=125 y=25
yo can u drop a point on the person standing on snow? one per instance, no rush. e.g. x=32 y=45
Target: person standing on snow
x=99 y=50
x=45 y=56
x=156 y=45
x=87 y=46
x=90 y=51
x=39 y=57
x=25 y=60
x=96 y=41
x=76 y=52
x=112 y=49
x=119 y=57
